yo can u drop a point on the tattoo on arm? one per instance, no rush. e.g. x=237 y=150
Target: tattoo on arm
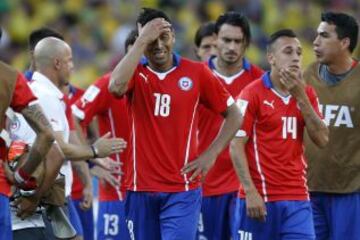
x=44 y=138
x=35 y=117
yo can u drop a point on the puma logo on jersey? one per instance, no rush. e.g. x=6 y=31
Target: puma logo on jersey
x=144 y=77
x=337 y=115
x=270 y=104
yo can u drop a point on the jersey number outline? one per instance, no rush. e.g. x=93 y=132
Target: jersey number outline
x=111 y=223
x=289 y=127
x=162 y=104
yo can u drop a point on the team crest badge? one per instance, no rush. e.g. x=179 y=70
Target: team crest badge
x=15 y=124
x=185 y=83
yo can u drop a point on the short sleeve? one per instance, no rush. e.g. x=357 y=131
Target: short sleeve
x=247 y=105
x=212 y=93
x=94 y=101
x=22 y=95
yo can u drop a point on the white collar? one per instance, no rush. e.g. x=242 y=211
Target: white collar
x=48 y=84
x=229 y=79
x=161 y=75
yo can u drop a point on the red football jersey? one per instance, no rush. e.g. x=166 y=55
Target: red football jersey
x=222 y=177
x=164 y=122
x=275 y=127
x=21 y=98
x=112 y=117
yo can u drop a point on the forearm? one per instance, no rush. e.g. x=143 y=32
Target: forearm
x=316 y=128
x=77 y=152
x=83 y=172
x=231 y=124
x=37 y=153
x=53 y=163
x=124 y=70
x=240 y=163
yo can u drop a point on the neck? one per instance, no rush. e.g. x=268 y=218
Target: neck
x=162 y=67
x=227 y=69
x=277 y=85
x=340 y=65
x=51 y=76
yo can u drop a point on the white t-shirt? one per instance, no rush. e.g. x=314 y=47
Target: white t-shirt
x=50 y=98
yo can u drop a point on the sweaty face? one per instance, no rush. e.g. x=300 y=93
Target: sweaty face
x=286 y=53
x=231 y=44
x=66 y=66
x=326 y=44
x=207 y=48
x=159 y=52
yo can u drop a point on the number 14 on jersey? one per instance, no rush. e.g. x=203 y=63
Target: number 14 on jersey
x=289 y=127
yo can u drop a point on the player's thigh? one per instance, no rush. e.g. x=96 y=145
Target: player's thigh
x=297 y=222
x=142 y=215
x=320 y=209
x=246 y=228
x=5 y=218
x=180 y=215
x=216 y=217
x=111 y=222
x=74 y=218
x=345 y=216
x=87 y=220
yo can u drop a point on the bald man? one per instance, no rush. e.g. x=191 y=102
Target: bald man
x=53 y=59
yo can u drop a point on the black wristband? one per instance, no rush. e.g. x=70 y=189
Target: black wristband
x=95 y=151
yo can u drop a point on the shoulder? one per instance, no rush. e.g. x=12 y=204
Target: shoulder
x=254 y=86
x=256 y=70
x=104 y=80
x=311 y=73
x=188 y=63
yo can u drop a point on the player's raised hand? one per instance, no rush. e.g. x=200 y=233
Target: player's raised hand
x=255 y=206
x=200 y=166
x=107 y=163
x=153 y=29
x=106 y=176
x=106 y=146
x=291 y=78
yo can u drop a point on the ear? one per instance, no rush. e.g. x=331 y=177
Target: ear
x=57 y=63
x=345 y=43
x=139 y=28
x=173 y=36
x=270 y=58
x=196 y=52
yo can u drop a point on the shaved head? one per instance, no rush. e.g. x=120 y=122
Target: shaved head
x=53 y=58
x=49 y=49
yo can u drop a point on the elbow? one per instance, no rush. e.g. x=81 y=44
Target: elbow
x=233 y=150
x=323 y=141
x=47 y=135
x=116 y=88
x=235 y=115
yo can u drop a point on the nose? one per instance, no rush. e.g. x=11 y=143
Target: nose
x=316 y=41
x=157 y=43
x=213 y=50
x=232 y=45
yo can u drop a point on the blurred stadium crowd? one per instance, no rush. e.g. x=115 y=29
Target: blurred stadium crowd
x=96 y=29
